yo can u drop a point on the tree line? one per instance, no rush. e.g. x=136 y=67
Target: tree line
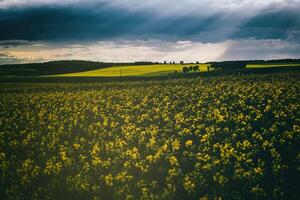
x=191 y=69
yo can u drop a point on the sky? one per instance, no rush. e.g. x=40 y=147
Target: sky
x=152 y=30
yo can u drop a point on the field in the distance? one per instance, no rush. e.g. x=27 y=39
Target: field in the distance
x=255 y=66
x=77 y=69
x=141 y=70
x=156 y=70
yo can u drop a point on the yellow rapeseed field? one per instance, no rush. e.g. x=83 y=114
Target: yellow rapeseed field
x=139 y=70
x=232 y=137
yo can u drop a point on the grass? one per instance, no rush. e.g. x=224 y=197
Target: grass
x=254 y=66
x=141 y=70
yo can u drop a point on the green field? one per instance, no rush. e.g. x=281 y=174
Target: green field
x=141 y=70
x=255 y=66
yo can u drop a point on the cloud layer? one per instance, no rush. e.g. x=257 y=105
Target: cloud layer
x=217 y=26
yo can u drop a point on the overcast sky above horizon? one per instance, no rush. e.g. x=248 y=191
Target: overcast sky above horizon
x=153 y=30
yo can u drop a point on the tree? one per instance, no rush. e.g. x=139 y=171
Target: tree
x=185 y=70
x=208 y=67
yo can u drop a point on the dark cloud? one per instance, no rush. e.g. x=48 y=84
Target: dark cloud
x=14 y=43
x=105 y=22
x=60 y=23
x=73 y=23
x=276 y=24
x=261 y=49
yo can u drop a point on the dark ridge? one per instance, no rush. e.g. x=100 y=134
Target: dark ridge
x=57 y=67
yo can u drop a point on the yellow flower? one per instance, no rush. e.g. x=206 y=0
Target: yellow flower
x=108 y=180
x=76 y=146
x=175 y=145
x=173 y=161
x=188 y=184
x=204 y=138
x=258 y=170
x=188 y=143
x=179 y=118
x=150 y=158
